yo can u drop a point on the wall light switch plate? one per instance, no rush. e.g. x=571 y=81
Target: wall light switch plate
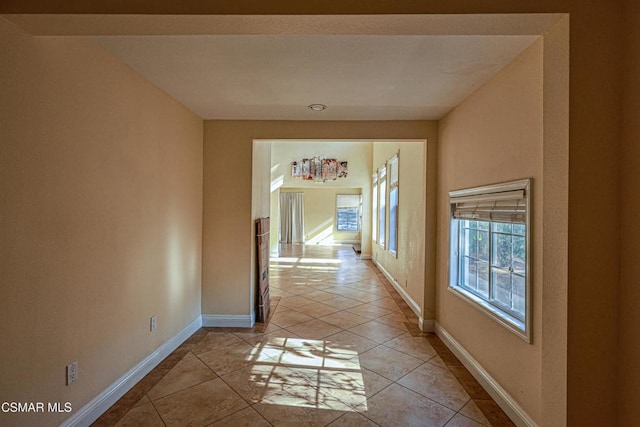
x=154 y=323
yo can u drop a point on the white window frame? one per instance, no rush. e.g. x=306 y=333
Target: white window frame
x=393 y=183
x=496 y=195
x=357 y=198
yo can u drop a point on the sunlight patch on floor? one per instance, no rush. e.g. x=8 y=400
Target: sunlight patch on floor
x=320 y=261
x=308 y=373
x=284 y=260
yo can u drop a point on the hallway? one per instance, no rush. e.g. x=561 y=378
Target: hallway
x=341 y=348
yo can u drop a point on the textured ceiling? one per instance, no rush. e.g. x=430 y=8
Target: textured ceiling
x=357 y=77
x=363 y=67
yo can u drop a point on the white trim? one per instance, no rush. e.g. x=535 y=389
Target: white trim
x=228 y=320
x=503 y=187
x=424 y=325
x=103 y=401
x=414 y=305
x=499 y=394
x=365 y=256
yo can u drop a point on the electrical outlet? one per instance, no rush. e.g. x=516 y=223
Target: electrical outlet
x=72 y=372
x=153 y=323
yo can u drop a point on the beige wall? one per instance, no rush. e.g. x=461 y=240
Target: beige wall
x=101 y=195
x=357 y=153
x=320 y=215
x=227 y=274
x=228 y=230
x=629 y=318
x=407 y=268
x=496 y=135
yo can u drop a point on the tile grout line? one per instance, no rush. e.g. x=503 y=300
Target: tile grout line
x=157 y=412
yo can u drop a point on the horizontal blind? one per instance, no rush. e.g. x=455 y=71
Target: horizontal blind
x=508 y=207
x=348 y=201
x=393 y=170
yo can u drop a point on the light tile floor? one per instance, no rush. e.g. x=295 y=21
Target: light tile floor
x=340 y=348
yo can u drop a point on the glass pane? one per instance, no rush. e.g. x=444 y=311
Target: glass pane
x=519 y=229
x=519 y=294
x=501 y=251
x=482 y=238
x=483 y=225
x=469 y=245
x=347 y=219
x=483 y=279
x=393 y=220
x=382 y=219
x=468 y=273
x=501 y=286
x=374 y=213
x=501 y=227
x=381 y=230
x=519 y=255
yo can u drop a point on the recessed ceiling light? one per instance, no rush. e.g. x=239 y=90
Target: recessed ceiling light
x=317 y=107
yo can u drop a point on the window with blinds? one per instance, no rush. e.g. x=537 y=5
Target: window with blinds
x=489 y=260
x=348 y=208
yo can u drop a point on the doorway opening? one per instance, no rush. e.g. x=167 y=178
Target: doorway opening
x=330 y=217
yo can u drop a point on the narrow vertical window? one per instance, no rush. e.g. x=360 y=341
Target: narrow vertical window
x=393 y=205
x=374 y=207
x=382 y=205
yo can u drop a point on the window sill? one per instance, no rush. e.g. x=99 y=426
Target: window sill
x=516 y=326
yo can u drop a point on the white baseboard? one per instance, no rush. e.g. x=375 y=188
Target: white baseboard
x=424 y=325
x=499 y=394
x=365 y=256
x=99 y=404
x=414 y=305
x=228 y=320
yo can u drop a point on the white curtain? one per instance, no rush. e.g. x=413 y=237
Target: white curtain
x=291 y=218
